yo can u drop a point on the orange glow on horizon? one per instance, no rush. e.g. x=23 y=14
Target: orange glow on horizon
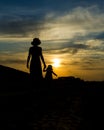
x=56 y=62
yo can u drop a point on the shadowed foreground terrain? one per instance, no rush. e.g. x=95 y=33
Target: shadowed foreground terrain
x=67 y=103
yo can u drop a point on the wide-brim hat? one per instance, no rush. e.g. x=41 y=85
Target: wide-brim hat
x=36 y=41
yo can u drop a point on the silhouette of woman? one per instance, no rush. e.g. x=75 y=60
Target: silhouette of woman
x=34 y=59
x=49 y=73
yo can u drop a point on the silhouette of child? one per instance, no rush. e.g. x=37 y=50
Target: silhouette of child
x=49 y=72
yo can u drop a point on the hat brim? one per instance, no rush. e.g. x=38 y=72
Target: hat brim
x=36 y=41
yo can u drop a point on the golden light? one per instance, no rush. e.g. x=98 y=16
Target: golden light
x=56 y=62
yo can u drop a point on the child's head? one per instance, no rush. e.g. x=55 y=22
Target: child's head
x=49 y=67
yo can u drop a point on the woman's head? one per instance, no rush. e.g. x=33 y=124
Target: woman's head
x=36 y=41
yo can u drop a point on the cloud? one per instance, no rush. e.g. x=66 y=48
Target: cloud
x=12 y=61
x=13 y=47
x=20 y=28
x=100 y=36
x=77 y=23
x=13 y=58
x=52 y=25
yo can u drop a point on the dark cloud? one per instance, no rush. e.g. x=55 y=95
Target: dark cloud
x=20 y=27
x=69 y=50
x=55 y=5
x=19 y=18
x=91 y=63
x=10 y=61
x=93 y=35
x=100 y=36
x=61 y=44
x=13 y=47
x=85 y=67
x=64 y=47
x=98 y=48
x=63 y=51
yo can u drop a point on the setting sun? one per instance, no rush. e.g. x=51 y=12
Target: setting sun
x=56 y=62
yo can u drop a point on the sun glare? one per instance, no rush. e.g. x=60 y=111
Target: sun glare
x=56 y=62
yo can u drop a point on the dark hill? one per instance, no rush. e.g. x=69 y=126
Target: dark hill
x=11 y=74
x=39 y=106
x=11 y=79
x=67 y=103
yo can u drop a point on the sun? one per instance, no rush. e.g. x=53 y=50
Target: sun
x=56 y=62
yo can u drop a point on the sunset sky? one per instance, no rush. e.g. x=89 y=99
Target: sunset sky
x=71 y=32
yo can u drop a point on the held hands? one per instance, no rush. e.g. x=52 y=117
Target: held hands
x=44 y=66
x=44 y=69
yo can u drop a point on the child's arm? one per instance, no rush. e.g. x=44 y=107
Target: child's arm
x=54 y=73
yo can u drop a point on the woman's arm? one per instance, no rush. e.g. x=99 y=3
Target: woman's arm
x=42 y=58
x=43 y=61
x=28 y=59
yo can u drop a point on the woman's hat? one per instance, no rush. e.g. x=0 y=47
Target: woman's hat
x=36 y=41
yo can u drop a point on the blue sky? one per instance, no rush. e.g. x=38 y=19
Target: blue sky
x=71 y=31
